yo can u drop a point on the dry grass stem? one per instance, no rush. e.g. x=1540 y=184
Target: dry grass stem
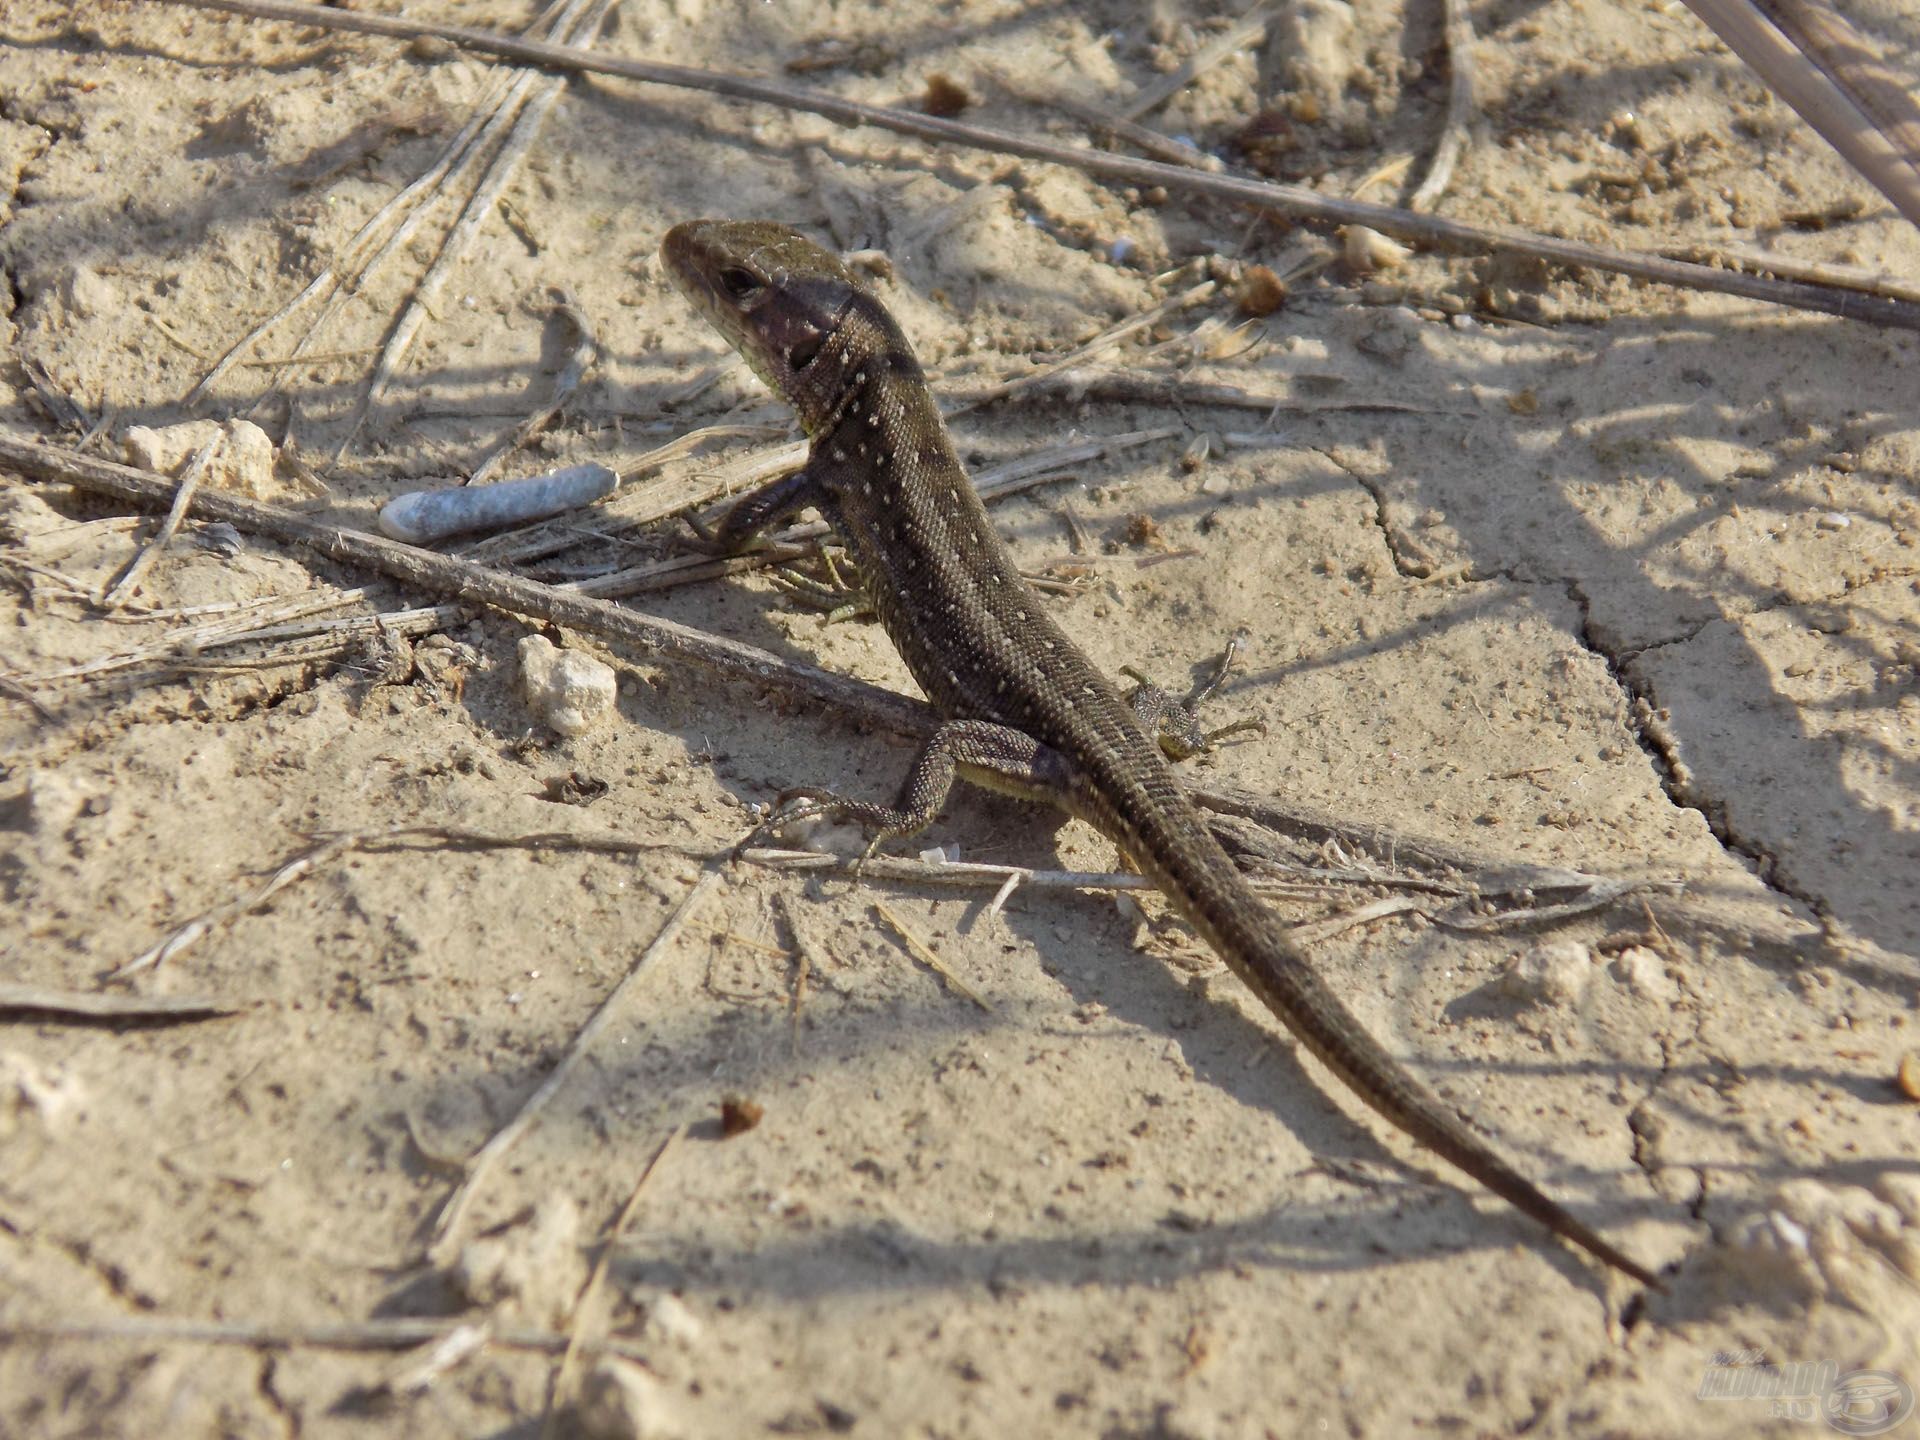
x=927 y=955
x=1821 y=93
x=585 y=1308
x=93 y=1005
x=857 y=701
x=395 y=1333
x=1249 y=29
x=1818 y=272
x=1098 y=345
x=581 y=18
x=449 y=1233
x=1460 y=104
x=189 y=481
x=402 y=203
x=1298 y=201
x=194 y=929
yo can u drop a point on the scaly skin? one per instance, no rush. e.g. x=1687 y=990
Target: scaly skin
x=1027 y=712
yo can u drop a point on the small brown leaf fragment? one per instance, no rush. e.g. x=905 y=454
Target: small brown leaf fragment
x=1524 y=402
x=739 y=1115
x=1143 y=531
x=1907 y=1077
x=1821 y=217
x=946 y=97
x=1268 y=142
x=573 y=788
x=836 y=52
x=1261 y=291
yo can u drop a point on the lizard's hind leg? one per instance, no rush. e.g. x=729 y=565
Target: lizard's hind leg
x=997 y=757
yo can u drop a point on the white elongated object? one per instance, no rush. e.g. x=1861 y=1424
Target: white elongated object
x=422 y=516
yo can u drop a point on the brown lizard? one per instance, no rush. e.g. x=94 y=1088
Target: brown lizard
x=1026 y=712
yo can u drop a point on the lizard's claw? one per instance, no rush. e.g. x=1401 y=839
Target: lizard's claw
x=800 y=803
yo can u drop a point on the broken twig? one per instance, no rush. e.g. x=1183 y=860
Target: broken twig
x=87 y=1005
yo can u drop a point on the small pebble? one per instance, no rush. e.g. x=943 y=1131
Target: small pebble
x=1260 y=291
x=620 y=1400
x=668 y=1318
x=89 y=294
x=1907 y=1077
x=1551 y=974
x=1644 y=973
x=221 y=538
x=738 y=1115
x=945 y=97
x=1366 y=250
x=571 y=691
x=242 y=459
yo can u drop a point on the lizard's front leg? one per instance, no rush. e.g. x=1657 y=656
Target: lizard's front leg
x=997 y=757
x=758 y=511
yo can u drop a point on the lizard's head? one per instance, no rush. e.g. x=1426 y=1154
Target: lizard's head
x=779 y=299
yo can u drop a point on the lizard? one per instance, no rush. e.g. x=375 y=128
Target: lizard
x=1024 y=712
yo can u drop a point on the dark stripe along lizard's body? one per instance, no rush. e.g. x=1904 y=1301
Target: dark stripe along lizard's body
x=1027 y=712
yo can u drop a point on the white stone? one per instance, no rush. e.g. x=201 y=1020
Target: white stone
x=26 y=1088
x=669 y=1318
x=572 y=692
x=620 y=1400
x=536 y=1269
x=1645 y=973
x=241 y=462
x=88 y=293
x=1554 y=974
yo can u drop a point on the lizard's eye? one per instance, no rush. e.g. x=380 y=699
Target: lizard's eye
x=740 y=284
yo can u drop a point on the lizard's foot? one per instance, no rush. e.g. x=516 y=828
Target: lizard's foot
x=881 y=823
x=1175 y=724
x=840 y=594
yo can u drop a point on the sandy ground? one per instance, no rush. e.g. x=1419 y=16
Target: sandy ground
x=1630 y=582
